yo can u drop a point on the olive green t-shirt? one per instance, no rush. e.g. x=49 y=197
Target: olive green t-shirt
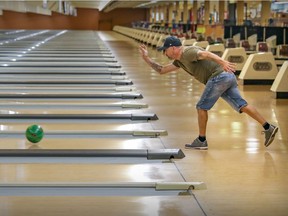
x=202 y=70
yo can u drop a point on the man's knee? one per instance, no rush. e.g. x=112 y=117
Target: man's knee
x=202 y=111
x=244 y=108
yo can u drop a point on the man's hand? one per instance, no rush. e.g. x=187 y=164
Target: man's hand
x=143 y=50
x=229 y=67
x=156 y=66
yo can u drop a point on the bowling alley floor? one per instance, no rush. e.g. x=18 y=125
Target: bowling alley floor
x=242 y=176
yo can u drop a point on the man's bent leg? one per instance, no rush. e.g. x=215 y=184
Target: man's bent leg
x=202 y=122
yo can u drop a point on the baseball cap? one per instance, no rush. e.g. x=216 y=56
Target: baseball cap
x=169 y=42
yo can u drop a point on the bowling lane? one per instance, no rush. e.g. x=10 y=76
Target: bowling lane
x=78 y=95
x=9 y=104
x=62 y=77
x=64 y=101
x=59 y=50
x=32 y=110
x=76 y=116
x=49 y=88
x=56 y=59
x=60 y=70
x=137 y=205
x=98 y=129
x=55 y=55
x=59 y=64
x=70 y=51
x=20 y=126
x=87 y=173
x=80 y=143
x=94 y=127
x=117 y=178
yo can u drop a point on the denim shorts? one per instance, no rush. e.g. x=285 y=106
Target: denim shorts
x=225 y=86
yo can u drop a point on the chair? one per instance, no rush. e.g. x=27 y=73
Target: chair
x=219 y=40
x=188 y=42
x=245 y=44
x=200 y=38
x=282 y=50
x=202 y=44
x=262 y=47
x=230 y=43
x=210 y=40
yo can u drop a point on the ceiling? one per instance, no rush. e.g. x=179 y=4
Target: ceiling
x=54 y=5
x=102 y=5
x=46 y=7
x=107 y=5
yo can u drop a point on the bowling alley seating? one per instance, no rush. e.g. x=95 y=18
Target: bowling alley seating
x=181 y=39
x=210 y=40
x=272 y=43
x=279 y=86
x=219 y=40
x=262 y=47
x=236 y=39
x=139 y=34
x=155 y=39
x=143 y=36
x=188 y=42
x=245 y=44
x=248 y=48
x=217 y=49
x=230 y=43
x=202 y=44
x=252 y=39
x=200 y=37
x=282 y=50
x=236 y=55
x=187 y=35
x=194 y=36
x=281 y=55
x=259 y=69
x=150 y=38
x=161 y=40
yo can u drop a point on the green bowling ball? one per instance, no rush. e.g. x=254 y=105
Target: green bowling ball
x=34 y=133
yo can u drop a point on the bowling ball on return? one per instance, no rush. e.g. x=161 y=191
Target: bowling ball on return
x=34 y=133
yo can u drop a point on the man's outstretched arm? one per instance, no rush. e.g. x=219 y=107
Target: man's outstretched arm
x=156 y=66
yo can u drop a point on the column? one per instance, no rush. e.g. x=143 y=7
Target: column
x=178 y=12
x=170 y=14
x=207 y=12
x=240 y=13
x=185 y=11
x=162 y=16
x=195 y=7
x=186 y=19
x=265 y=12
x=151 y=17
x=231 y=12
x=156 y=14
x=221 y=11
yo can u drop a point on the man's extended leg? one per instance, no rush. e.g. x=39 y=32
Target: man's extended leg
x=252 y=112
x=269 y=132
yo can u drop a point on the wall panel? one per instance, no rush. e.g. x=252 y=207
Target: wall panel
x=87 y=19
